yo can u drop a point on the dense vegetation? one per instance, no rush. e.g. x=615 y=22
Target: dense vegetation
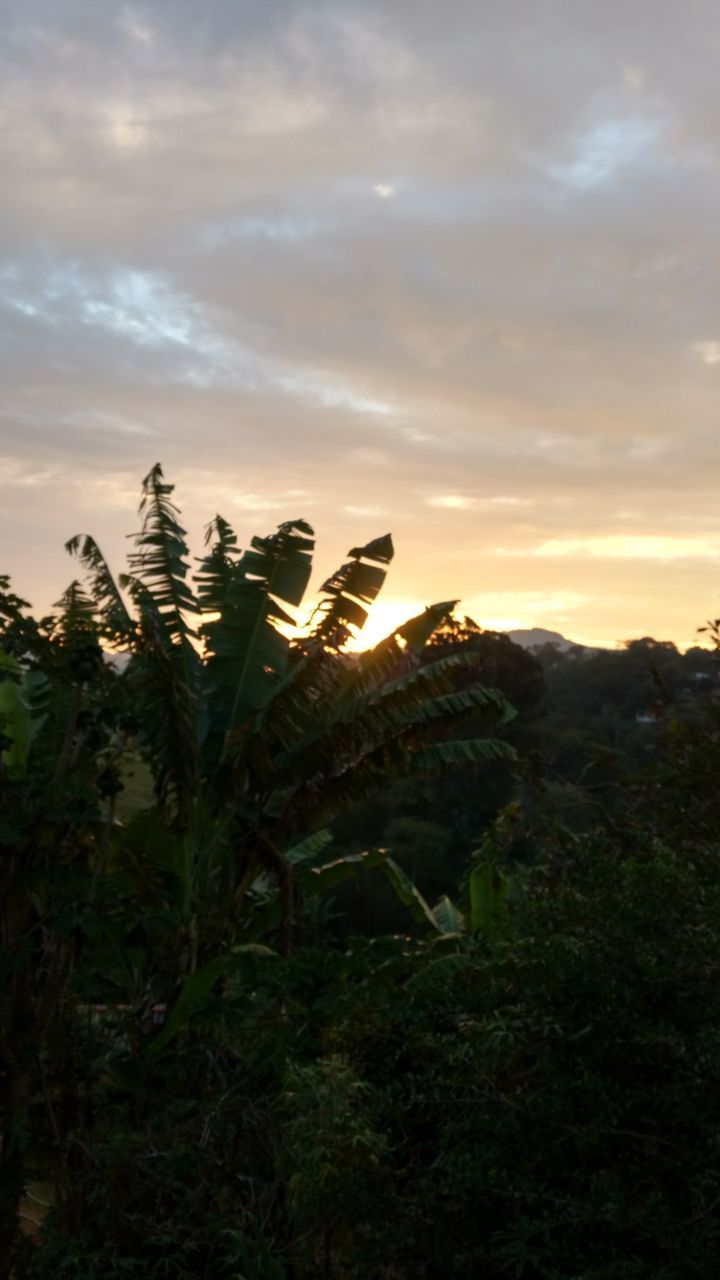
x=315 y=965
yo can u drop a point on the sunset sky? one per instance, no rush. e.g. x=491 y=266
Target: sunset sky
x=446 y=269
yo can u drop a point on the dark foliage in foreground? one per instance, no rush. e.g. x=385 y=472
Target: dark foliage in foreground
x=521 y=1079
x=543 y=1101
x=252 y=742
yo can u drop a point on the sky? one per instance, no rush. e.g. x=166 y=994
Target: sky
x=450 y=270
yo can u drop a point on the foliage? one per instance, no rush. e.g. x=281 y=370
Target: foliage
x=606 y=707
x=432 y=825
x=254 y=740
x=519 y=1077
x=540 y=1100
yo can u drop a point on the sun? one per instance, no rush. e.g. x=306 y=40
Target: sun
x=383 y=618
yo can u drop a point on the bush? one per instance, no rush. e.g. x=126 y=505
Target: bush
x=542 y=1102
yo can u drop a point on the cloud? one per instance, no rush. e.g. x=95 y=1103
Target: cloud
x=605 y=150
x=640 y=547
x=508 y=610
x=450 y=502
x=635 y=77
x=455 y=264
x=709 y=352
x=463 y=502
x=355 y=509
x=256 y=502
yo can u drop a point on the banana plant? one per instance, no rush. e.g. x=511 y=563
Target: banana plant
x=259 y=730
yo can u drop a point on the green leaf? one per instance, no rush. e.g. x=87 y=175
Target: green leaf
x=266 y=915
x=473 y=700
x=421 y=682
x=247 y=653
x=193 y=995
x=413 y=700
x=309 y=848
x=489 y=890
x=393 y=713
x=315 y=880
x=465 y=751
x=409 y=894
x=448 y=918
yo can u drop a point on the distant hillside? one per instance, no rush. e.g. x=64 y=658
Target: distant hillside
x=534 y=637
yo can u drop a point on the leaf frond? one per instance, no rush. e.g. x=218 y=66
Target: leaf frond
x=160 y=561
x=216 y=566
x=348 y=593
x=248 y=653
x=118 y=626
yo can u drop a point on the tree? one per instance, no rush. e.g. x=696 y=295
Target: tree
x=254 y=739
x=60 y=726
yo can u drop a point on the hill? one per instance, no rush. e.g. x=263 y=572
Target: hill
x=536 y=637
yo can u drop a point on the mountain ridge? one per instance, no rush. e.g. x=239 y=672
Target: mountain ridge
x=535 y=637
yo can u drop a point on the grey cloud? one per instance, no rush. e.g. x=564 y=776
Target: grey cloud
x=196 y=264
